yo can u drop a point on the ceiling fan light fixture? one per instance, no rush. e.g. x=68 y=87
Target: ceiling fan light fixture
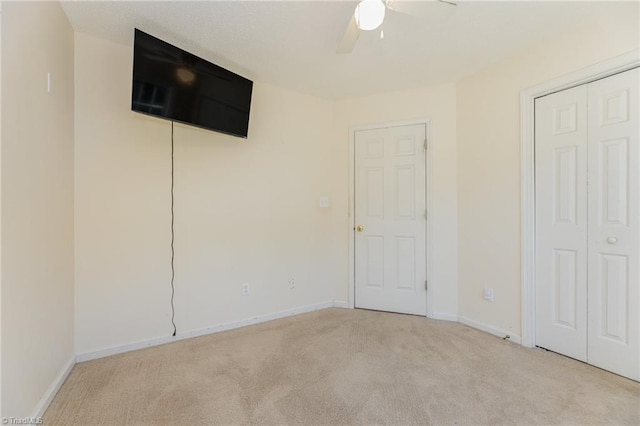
x=369 y=14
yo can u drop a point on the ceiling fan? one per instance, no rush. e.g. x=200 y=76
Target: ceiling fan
x=369 y=15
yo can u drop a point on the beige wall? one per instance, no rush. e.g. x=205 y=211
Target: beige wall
x=489 y=161
x=37 y=203
x=246 y=210
x=437 y=103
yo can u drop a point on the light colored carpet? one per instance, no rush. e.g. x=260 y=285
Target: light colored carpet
x=340 y=366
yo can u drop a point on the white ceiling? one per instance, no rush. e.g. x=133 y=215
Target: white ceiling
x=292 y=44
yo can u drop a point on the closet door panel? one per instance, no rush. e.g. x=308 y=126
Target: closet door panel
x=561 y=222
x=614 y=224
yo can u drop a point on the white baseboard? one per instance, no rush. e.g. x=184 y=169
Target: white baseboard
x=490 y=329
x=254 y=320
x=114 y=350
x=54 y=388
x=88 y=356
x=444 y=316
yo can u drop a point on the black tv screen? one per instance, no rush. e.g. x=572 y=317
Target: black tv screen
x=173 y=84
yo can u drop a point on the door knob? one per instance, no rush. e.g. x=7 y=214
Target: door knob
x=612 y=240
x=360 y=228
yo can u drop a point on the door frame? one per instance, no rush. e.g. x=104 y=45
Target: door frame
x=428 y=200
x=585 y=75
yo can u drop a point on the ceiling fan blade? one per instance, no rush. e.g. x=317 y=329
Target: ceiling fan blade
x=438 y=9
x=350 y=37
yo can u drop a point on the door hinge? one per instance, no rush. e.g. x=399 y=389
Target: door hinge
x=426 y=285
x=426 y=144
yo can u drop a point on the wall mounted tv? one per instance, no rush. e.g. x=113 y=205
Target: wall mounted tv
x=173 y=84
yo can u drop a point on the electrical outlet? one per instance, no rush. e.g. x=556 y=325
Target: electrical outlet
x=245 y=289
x=488 y=294
x=292 y=283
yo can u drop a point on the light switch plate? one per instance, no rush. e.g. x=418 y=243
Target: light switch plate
x=324 y=202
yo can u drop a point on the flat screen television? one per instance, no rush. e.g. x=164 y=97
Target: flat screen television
x=177 y=85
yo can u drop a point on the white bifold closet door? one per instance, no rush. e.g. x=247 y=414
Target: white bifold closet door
x=561 y=222
x=588 y=223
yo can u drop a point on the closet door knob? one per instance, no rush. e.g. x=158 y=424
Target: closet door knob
x=612 y=240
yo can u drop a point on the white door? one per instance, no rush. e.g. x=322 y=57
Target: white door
x=390 y=218
x=588 y=223
x=614 y=224
x=561 y=222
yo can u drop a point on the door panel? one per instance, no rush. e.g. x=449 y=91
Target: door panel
x=561 y=222
x=614 y=224
x=390 y=252
x=612 y=180
x=614 y=283
x=566 y=185
x=375 y=260
x=565 y=287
